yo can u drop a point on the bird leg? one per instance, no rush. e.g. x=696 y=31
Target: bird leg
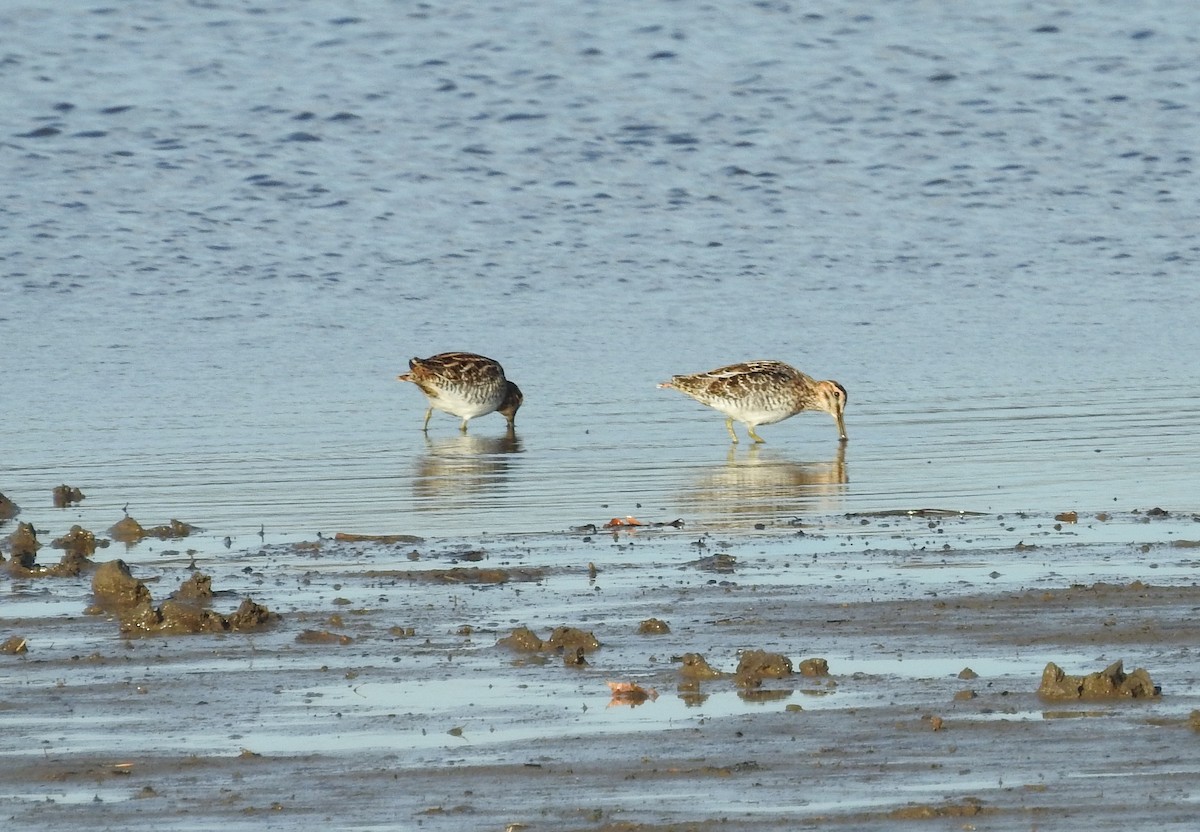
x=758 y=439
x=463 y=427
x=428 y=414
x=729 y=427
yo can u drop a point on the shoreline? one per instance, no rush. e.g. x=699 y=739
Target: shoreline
x=411 y=711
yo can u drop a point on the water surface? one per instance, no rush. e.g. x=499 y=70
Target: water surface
x=225 y=229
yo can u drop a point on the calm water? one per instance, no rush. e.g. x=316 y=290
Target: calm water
x=225 y=227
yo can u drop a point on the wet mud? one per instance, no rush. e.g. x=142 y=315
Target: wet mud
x=897 y=684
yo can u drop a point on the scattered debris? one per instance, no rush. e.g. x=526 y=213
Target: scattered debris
x=631 y=694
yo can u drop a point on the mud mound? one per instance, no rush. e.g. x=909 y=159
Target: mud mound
x=694 y=667
x=23 y=546
x=116 y=591
x=129 y=530
x=79 y=544
x=563 y=639
x=114 y=587
x=1110 y=683
x=756 y=665
x=8 y=509
x=653 y=627
x=65 y=495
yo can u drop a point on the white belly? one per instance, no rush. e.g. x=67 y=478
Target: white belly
x=464 y=407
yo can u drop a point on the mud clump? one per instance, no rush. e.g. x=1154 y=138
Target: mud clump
x=116 y=591
x=323 y=637
x=756 y=665
x=14 y=646
x=572 y=638
x=78 y=541
x=694 y=667
x=129 y=530
x=196 y=588
x=114 y=588
x=653 y=627
x=1111 y=683
x=8 y=509
x=250 y=616
x=575 y=658
x=814 y=667
x=79 y=545
x=568 y=640
x=65 y=495
x=720 y=563
x=23 y=546
x=523 y=640
x=177 y=617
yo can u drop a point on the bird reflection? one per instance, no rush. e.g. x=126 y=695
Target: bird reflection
x=760 y=483
x=462 y=465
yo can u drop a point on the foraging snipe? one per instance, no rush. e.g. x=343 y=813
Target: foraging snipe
x=465 y=385
x=762 y=393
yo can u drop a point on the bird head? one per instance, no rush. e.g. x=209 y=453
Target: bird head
x=512 y=401
x=832 y=398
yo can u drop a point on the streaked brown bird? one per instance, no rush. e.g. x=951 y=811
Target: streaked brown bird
x=762 y=393
x=465 y=385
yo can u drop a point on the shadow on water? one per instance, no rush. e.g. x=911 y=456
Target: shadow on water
x=454 y=469
x=759 y=482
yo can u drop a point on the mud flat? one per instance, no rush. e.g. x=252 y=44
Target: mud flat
x=837 y=676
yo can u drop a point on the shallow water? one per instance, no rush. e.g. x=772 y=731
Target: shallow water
x=227 y=228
